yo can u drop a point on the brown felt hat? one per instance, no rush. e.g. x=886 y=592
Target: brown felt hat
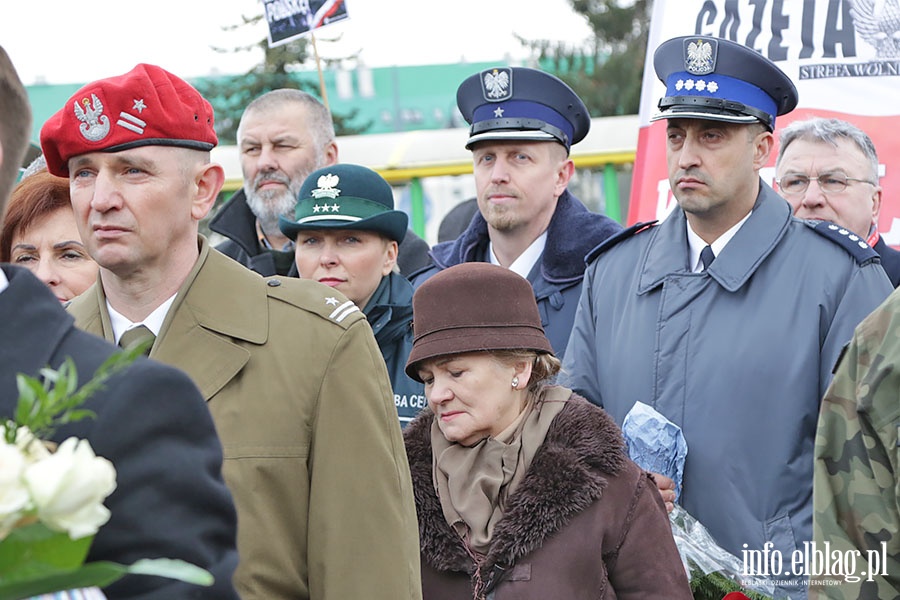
x=474 y=307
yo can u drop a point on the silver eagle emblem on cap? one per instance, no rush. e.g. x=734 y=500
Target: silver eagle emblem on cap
x=699 y=57
x=327 y=187
x=94 y=124
x=496 y=85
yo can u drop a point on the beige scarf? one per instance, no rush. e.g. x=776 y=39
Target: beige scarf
x=475 y=482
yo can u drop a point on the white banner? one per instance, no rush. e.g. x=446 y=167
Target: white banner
x=843 y=56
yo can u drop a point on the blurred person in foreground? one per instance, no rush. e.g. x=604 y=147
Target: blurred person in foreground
x=284 y=135
x=523 y=124
x=151 y=422
x=827 y=169
x=523 y=489
x=40 y=234
x=290 y=369
x=346 y=234
x=728 y=316
x=856 y=481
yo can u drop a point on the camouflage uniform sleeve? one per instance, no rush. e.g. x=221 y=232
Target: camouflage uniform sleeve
x=856 y=521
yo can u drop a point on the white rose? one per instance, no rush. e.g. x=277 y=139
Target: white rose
x=33 y=448
x=69 y=486
x=13 y=493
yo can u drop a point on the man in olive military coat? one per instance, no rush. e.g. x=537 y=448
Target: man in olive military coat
x=149 y=420
x=293 y=377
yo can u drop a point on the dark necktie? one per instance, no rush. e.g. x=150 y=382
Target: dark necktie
x=137 y=335
x=706 y=257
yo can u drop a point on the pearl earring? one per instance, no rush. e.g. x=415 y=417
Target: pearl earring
x=515 y=382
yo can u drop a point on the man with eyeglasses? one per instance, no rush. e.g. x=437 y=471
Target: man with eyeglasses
x=827 y=169
x=728 y=316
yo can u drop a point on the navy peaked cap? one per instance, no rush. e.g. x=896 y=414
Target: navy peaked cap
x=517 y=103
x=717 y=79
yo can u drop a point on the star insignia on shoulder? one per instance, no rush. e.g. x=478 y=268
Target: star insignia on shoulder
x=498 y=112
x=331 y=301
x=139 y=105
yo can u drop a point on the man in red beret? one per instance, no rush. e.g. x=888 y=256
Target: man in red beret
x=150 y=421
x=290 y=369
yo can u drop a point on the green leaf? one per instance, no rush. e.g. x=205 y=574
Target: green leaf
x=99 y=574
x=36 y=547
x=173 y=569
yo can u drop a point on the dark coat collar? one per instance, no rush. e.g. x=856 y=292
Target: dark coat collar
x=237 y=222
x=572 y=232
x=565 y=477
x=389 y=310
x=30 y=314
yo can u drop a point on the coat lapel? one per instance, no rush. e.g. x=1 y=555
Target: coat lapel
x=219 y=305
x=746 y=251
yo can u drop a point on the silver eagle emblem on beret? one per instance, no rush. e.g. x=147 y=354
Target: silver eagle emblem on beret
x=94 y=124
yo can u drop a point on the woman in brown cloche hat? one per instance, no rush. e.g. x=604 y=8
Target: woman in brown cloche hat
x=523 y=489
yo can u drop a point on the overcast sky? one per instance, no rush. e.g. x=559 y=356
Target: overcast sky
x=65 y=41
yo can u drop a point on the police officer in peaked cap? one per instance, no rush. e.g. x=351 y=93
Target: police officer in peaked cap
x=523 y=125
x=728 y=316
x=522 y=104
x=719 y=80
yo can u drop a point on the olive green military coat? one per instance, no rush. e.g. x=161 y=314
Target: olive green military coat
x=313 y=452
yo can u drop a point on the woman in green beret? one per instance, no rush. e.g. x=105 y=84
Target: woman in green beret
x=347 y=232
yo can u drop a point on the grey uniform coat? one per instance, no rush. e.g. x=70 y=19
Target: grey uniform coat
x=738 y=356
x=313 y=452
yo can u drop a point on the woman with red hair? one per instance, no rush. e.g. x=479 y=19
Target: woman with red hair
x=39 y=233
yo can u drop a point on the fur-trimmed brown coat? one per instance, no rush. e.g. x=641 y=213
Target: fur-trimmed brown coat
x=585 y=523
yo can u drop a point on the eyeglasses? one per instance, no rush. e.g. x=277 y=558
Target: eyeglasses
x=830 y=183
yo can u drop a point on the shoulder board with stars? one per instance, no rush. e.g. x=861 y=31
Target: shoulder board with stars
x=305 y=294
x=846 y=239
x=615 y=239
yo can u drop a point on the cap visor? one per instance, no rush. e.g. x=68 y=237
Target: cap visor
x=500 y=135
x=693 y=113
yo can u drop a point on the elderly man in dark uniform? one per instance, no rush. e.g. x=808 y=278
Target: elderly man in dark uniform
x=290 y=369
x=728 y=316
x=150 y=420
x=827 y=169
x=524 y=122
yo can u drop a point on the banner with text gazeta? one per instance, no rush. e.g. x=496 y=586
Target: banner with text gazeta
x=843 y=56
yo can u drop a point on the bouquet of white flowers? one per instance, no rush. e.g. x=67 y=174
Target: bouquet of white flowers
x=51 y=498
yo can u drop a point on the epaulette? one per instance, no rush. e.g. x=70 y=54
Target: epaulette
x=314 y=298
x=615 y=239
x=846 y=239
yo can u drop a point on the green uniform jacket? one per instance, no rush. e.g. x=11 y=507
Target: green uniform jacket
x=301 y=399
x=856 y=482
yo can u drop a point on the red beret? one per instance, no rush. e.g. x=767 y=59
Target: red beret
x=146 y=106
